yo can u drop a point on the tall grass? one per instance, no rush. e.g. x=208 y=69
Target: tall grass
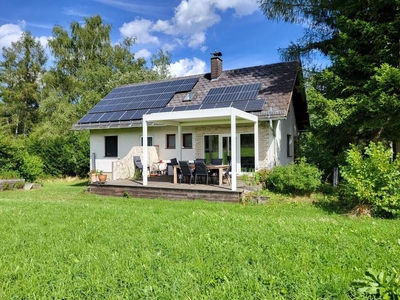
x=62 y=243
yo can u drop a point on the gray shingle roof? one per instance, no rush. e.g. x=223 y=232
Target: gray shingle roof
x=279 y=86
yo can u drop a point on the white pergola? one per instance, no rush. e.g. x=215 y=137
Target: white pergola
x=215 y=116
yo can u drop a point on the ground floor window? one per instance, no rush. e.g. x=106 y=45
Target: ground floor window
x=187 y=140
x=220 y=146
x=149 y=141
x=171 y=141
x=111 y=145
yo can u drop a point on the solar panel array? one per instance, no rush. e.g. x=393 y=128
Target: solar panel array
x=233 y=93
x=130 y=102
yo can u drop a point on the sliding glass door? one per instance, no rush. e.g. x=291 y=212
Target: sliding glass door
x=220 y=146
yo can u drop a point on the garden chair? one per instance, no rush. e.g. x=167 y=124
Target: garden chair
x=185 y=171
x=201 y=171
x=215 y=173
x=138 y=164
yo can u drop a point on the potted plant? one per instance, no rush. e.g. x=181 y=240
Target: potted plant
x=93 y=175
x=102 y=177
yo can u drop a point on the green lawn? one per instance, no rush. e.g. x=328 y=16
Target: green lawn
x=60 y=242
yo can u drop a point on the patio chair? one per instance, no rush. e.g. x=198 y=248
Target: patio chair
x=200 y=160
x=201 y=171
x=227 y=174
x=216 y=161
x=185 y=171
x=174 y=162
x=214 y=173
x=138 y=164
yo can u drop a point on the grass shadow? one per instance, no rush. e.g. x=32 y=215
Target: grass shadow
x=82 y=183
x=331 y=205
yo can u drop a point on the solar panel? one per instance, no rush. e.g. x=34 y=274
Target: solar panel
x=239 y=104
x=119 y=107
x=166 y=109
x=184 y=88
x=255 y=105
x=160 y=103
x=105 y=117
x=179 y=108
x=96 y=117
x=233 y=93
x=139 y=114
x=153 y=110
x=192 y=107
x=207 y=105
x=116 y=116
x=222 y=104
x=128 y=115
x=85 y=119
x=132 y=105
x=95 y=109
x=131 y=102
x=146 y=104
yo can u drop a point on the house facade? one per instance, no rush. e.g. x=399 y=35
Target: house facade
x=250 y=117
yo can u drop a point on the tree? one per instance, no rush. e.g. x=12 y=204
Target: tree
x=87 y=67
x=161 y=62
x=356 y=98
x=20 y=75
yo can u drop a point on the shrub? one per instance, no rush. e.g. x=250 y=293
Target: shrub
x=10 y=175
x=263 y=174
x=298 y=178
x=372 y=179
x=30 y=166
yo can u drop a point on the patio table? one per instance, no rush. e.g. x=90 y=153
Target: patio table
x=220 y=169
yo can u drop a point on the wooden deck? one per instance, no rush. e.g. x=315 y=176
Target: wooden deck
x=162 y=187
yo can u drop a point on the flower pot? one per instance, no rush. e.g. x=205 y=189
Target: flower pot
x=93 y=177
x=102 y=178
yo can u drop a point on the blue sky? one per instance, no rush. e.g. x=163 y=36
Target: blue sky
x=189 y=29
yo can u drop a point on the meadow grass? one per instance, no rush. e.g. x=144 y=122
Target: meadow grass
x=60 y=242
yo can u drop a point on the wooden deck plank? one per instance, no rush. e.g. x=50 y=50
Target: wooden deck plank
x=162 y=187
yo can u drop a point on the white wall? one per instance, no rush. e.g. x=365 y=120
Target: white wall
x=277 y=151
x=130 y=137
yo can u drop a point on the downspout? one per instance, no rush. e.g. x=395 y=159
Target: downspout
x=273 y=130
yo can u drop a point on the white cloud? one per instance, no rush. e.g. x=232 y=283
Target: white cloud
x=197 y=39
x=139 y=29
x=10 y=33
x=185 y=67
x=73 y=12
x=190 y=22
x=144 y=53
x=241 y=7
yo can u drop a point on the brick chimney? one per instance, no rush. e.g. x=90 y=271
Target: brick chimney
x=216 y=65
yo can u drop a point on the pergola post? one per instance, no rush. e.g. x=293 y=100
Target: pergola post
x=256 y=151
x=233 y=158
x=179 y=142
x=145 y=158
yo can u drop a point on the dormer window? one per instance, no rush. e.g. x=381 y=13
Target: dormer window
x=189 y=97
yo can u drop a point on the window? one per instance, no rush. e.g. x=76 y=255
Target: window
x=111 y=143
x=171 y=141
x=289 y=144
x=189 y=97
x=149 y=141
x=187 y=140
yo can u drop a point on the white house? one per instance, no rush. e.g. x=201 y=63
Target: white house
x=250 y=117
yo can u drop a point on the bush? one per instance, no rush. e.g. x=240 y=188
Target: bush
x=372 y=179
x=9 y=175
x=298 y=178
x=30 y=166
